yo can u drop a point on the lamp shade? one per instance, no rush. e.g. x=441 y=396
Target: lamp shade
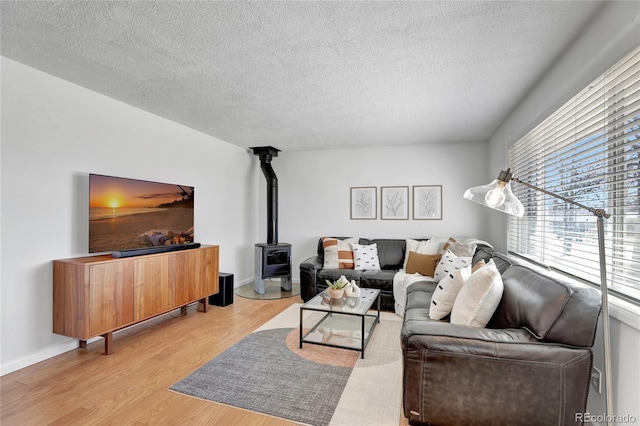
x=497 y=195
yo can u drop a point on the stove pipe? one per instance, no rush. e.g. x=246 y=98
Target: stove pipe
x=266 y=153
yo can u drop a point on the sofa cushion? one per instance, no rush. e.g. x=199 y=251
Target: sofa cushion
x=419 y=296
x=479 y=297
x=446 y=292
x=390 y=252
x=579 y=320
x=449 y=263
x=531 y=300
x=484 y=252
x=338 y=254
x=382 y=280
x=365 y=257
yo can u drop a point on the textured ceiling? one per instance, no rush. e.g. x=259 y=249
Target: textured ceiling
x=303 y=75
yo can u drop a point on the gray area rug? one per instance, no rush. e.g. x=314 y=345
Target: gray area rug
x=268 y=372
x=261 y=374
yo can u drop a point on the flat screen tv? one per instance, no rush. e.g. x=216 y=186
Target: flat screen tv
x=129 y=214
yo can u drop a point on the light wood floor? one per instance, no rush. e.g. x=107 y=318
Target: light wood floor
x=129 y=387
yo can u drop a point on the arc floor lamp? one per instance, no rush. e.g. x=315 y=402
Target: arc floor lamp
x=497 y=195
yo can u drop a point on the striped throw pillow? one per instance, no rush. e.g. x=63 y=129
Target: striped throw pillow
x=338 y=253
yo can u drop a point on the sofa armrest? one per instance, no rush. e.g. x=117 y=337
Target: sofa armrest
x=456 y=374
x=308 y=277
x=419 y=329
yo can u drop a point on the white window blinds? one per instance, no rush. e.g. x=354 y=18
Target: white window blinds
x=588 y=151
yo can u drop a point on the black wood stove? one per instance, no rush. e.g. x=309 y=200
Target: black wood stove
x=272 y=259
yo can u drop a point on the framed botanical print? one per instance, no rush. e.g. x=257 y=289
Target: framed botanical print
x=394 y=202
x=427 y=202
x=364 y=202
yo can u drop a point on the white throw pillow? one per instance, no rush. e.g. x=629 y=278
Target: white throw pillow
x=449 y=263
x=446 y=291
x=432 y=246
x=365 y=257
x=479 y=297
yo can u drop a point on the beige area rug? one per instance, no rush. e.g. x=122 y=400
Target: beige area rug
x=268 y=372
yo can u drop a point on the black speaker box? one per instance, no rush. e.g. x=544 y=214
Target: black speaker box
x=224 y=296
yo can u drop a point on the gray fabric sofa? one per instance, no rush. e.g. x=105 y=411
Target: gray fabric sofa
x=530 y=366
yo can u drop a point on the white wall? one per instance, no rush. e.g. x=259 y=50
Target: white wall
x=612 y=34
x=54 y=134
x=314 y=192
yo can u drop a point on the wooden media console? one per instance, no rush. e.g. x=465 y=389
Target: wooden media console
x=97 y=295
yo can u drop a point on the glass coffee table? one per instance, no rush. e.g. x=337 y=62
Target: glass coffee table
x=341 y=323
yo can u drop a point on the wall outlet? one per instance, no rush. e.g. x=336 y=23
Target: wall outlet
x=596 y=381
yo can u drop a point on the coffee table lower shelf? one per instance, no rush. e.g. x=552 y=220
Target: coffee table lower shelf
x=330 y=331
x=345 y=324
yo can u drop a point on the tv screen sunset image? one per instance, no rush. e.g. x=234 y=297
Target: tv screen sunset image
x=130 y=213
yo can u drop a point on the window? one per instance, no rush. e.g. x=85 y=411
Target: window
x=588 y=151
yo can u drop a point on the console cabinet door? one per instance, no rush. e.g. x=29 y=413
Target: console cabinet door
x=181 y=274
x=151 y=293
x=206 y=274
x=110 y=296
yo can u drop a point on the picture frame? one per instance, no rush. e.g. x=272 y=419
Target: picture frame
x=427 y=202
x=394 y=202
x=364 y=203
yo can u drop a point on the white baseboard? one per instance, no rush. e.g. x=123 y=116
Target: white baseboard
x=40 y=356
x=69 y=345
